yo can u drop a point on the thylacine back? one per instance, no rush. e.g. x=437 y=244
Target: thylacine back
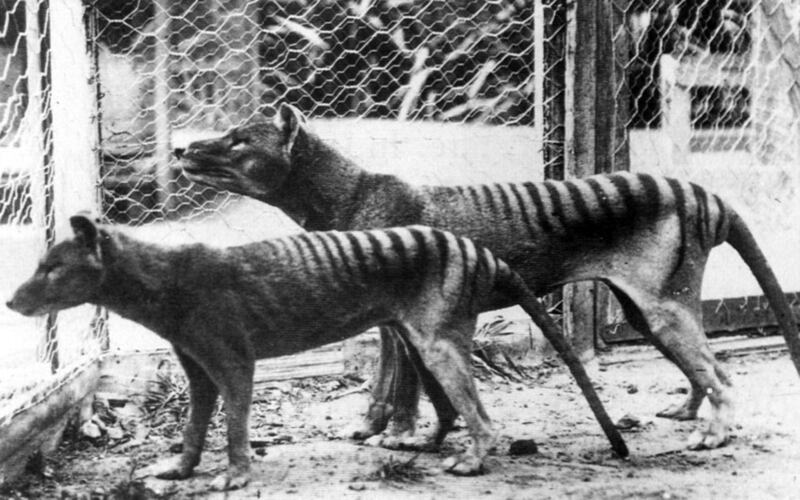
x=557 y=232
x=647 y=237
x=223 y=309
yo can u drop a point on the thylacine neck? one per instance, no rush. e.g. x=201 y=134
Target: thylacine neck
x=328 y=184
x=139 y=283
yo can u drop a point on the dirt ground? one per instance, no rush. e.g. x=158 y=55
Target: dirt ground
x=302 y=421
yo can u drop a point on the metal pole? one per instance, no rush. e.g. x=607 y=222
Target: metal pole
x=161 y=104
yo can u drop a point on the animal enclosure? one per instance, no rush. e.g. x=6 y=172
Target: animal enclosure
x=94 y=96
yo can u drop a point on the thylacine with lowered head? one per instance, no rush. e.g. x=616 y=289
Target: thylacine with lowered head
x=647 y=237
x=224 y=308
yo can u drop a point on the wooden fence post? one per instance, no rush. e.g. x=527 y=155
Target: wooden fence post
x=594 y=132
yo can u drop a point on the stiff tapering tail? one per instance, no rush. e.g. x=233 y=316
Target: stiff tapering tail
x=741 y=239
x=512 y=285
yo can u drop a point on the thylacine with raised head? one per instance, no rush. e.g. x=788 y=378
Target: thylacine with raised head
x=647 y=237
x=224 y=308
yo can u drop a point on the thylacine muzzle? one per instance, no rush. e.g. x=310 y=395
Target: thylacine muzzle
x=235 y=159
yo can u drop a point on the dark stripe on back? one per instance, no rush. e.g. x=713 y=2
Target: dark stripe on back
x=319 y=269
x=377 y=249
x=481 y=269
x=297 y=246
x=580 y=203
x=421 y=250
x=283 y=251
x=602 y=198
x=358 y=254
x=465 y=266
x=487 y=192
x=398 y=248
x=702 y=214
x=541 y=216
x=323 y=238
x=558 y=205
x=473 y=195
x=443 y=250
x=522 y=210
x=508 y=212
x=652 y=195
x=341 y=254
x=312 y=248
x=680 y=206
x=624 y=191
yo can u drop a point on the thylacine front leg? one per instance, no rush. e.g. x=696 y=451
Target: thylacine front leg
x=395 y=392
x=235 y=382
x=202 y=400
x=229 y=362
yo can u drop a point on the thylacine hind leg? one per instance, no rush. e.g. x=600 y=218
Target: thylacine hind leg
x=675 y=328
x=683 y=411
x=447 y=358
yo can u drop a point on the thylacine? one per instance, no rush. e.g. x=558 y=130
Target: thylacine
x=647 y=237
x=224 y=308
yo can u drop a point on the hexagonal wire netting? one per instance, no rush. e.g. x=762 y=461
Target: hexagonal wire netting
x=39 y=354
x=710 y=91
x=396 y=84
x=437 y=92
x=173 y=70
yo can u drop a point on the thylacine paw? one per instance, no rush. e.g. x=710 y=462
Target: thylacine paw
x=171 y=468
x=707 y=440
x=463 y=465
x=230 y=481
x=678 y=412
x=411 y=443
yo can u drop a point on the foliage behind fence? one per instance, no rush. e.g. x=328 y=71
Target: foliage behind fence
x=210 y=64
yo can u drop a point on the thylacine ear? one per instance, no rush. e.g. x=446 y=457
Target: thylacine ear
x=84 y=228
x=86 y=231
x=291 y=122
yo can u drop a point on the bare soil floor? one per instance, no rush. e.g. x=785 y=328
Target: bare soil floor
x=306 y=458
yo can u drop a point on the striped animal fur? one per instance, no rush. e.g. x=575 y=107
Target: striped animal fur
x=224 y=308
x=647 y=237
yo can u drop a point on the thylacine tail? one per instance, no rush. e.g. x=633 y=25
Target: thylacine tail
x=741 y=239
x=512 y=285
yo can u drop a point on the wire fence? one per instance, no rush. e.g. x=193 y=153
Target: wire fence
x=38 y=353
x=436 y=92
x=183 y=69
x=473 y=90
x=710 y=91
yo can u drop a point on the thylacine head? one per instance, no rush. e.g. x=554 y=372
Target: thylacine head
x=253 y=159
x=70 y=274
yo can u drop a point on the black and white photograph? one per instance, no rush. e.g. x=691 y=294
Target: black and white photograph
x=396 y=249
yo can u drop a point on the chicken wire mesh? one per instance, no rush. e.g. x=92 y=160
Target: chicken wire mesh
x=708 y=91
x=37 y=353
x=170 y=71
x=433 y=91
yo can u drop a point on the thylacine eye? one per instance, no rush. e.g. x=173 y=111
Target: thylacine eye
x=239 y=142
x=51 y=270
